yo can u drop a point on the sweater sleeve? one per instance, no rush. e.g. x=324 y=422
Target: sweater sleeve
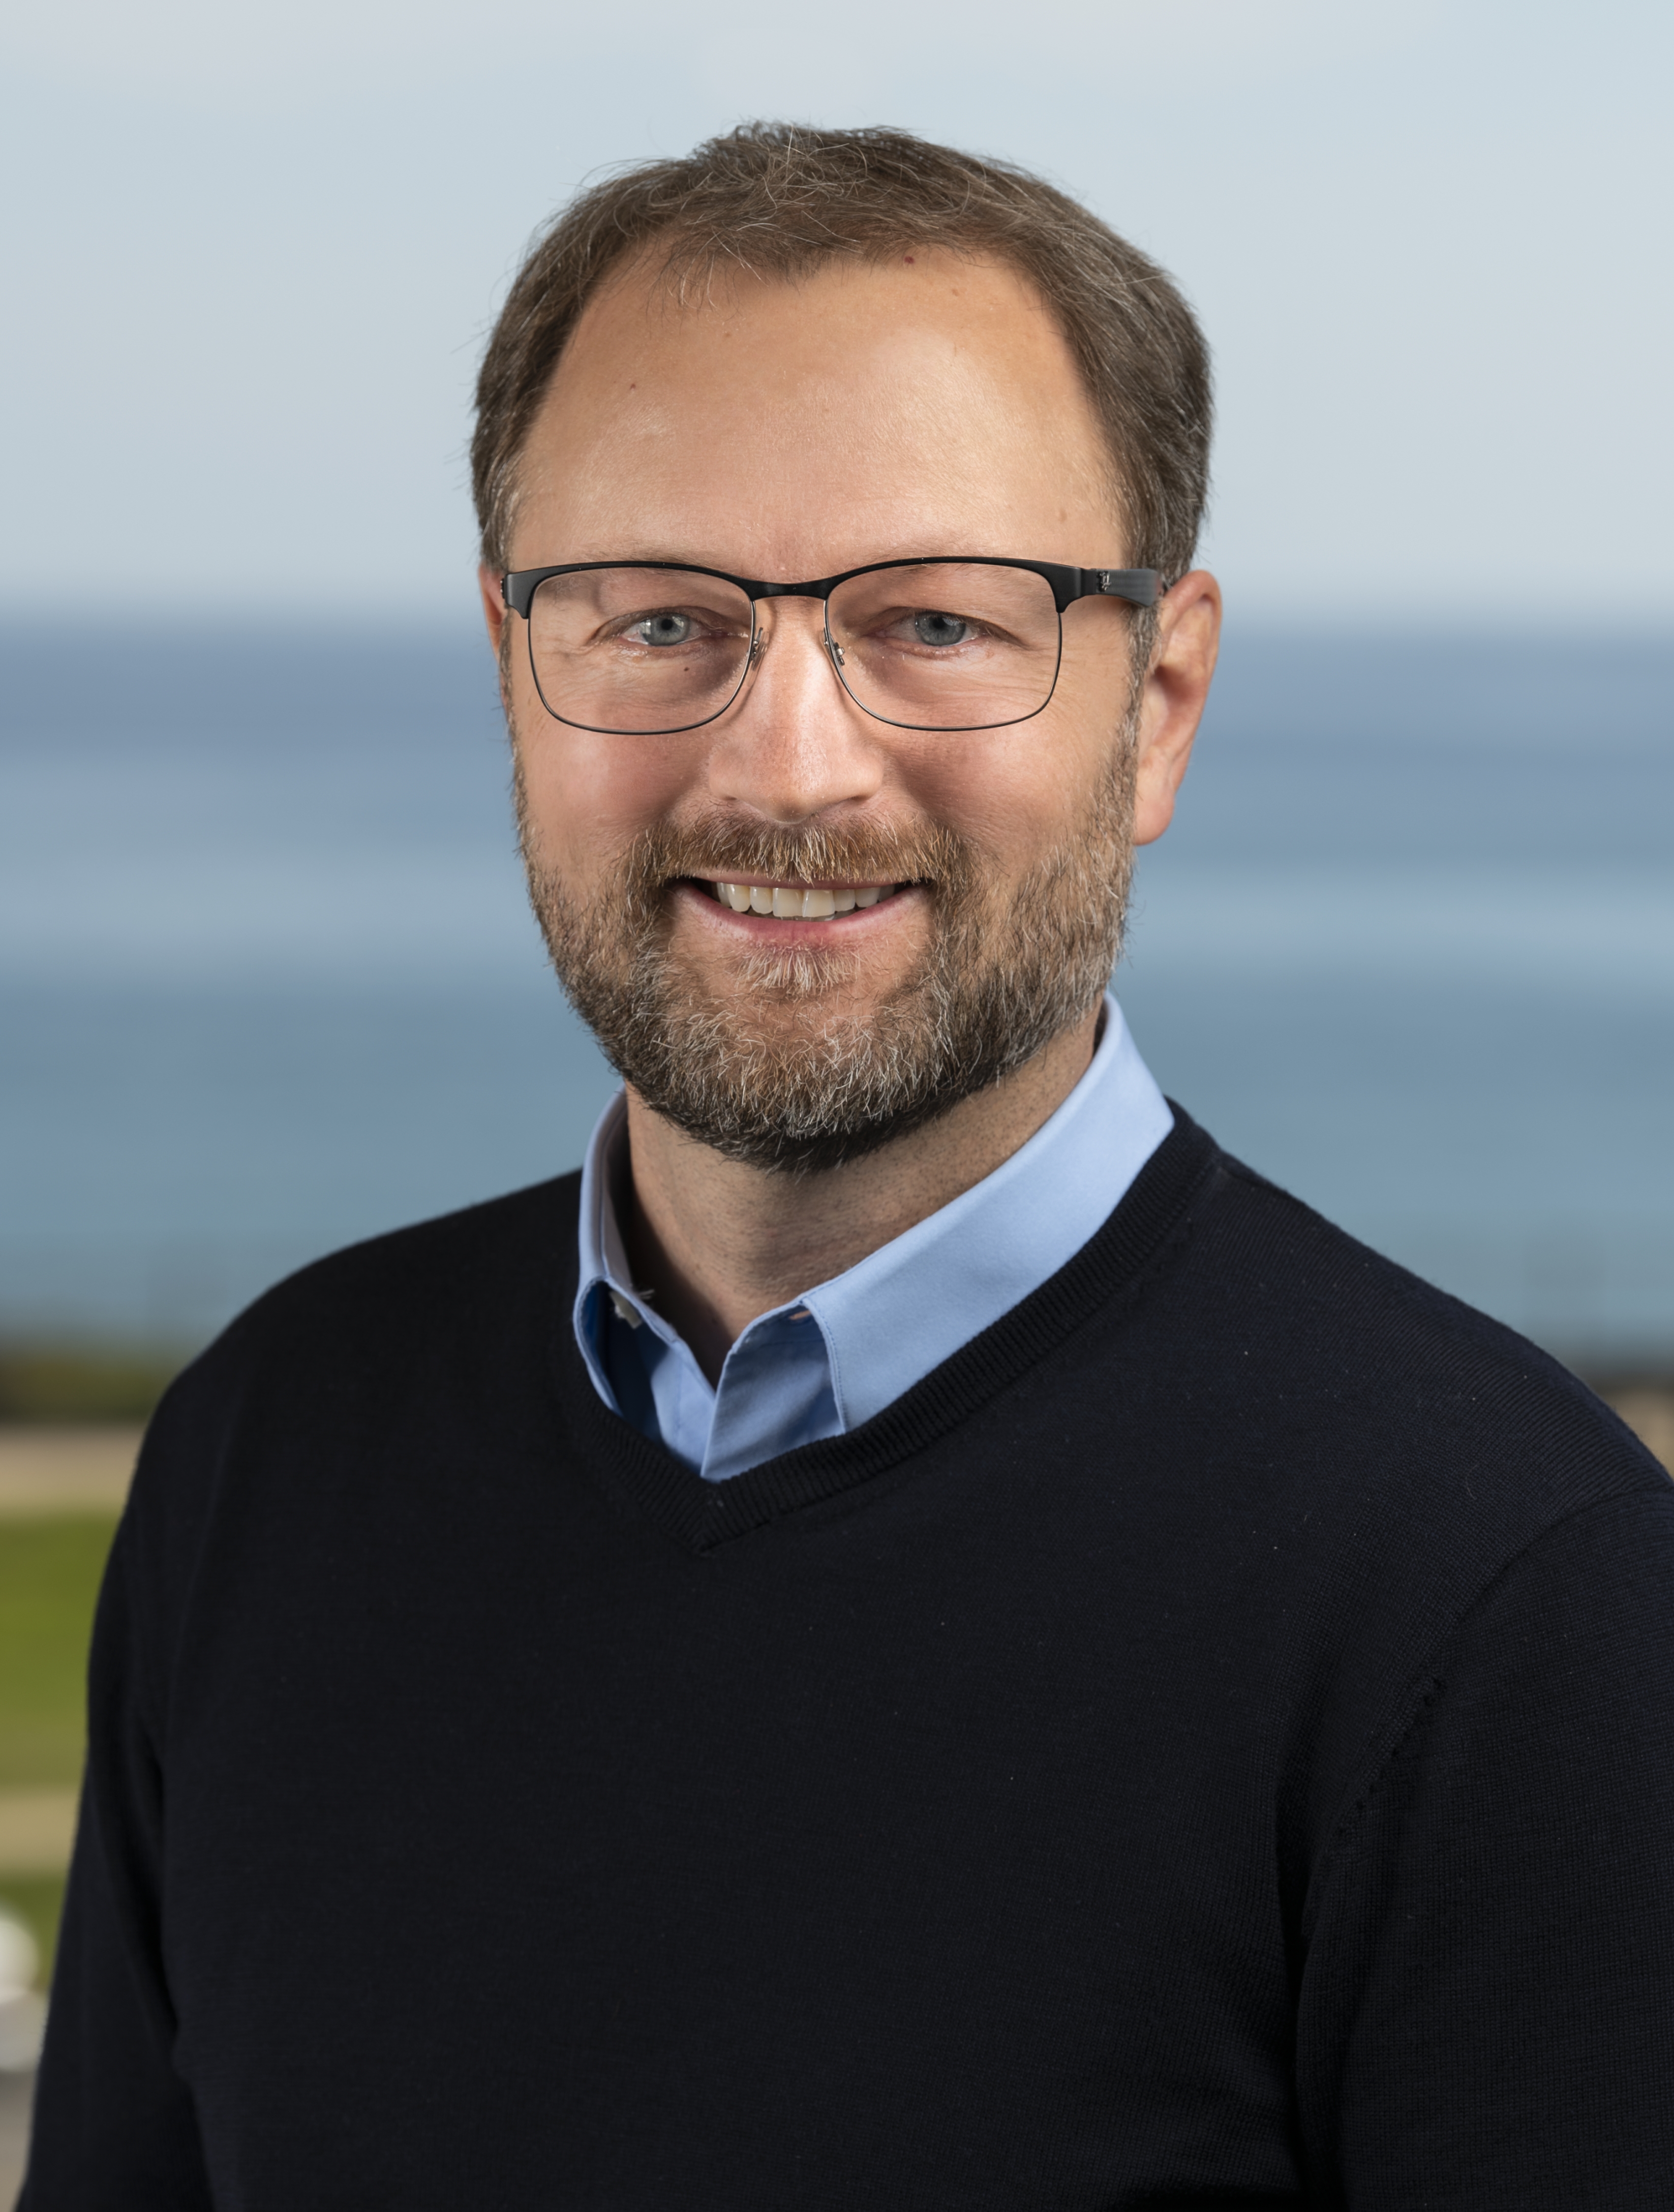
x=1487 y=2001
x=114 y=2125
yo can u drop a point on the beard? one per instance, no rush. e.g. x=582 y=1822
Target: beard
x=776 y=1071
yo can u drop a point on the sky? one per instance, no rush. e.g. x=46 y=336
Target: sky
x=252 y=253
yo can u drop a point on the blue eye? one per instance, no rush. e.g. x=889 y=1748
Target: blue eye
x=665 y=628
x=940 y=630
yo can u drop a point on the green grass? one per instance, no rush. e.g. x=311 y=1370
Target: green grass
x=49 y=1580
x=37 y=1900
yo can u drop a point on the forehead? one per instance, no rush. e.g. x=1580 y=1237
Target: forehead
x=844 y=416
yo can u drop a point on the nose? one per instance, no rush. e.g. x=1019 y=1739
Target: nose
x=795 y=746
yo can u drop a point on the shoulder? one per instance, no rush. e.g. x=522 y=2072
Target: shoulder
x=1401 y=1455
x=397 y=1337
x=451 y=1276
x=411 y=1275
x=1332 y=1340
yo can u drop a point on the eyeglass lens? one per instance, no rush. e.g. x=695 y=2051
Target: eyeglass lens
x=951 y=645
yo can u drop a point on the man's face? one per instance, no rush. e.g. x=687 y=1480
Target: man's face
x=929 y=406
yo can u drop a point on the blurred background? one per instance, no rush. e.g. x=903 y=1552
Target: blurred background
x=267 y=980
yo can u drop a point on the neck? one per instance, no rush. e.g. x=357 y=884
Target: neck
x=718 y=1242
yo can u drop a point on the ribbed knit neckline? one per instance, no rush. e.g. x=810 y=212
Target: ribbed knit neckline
x=701 y=1514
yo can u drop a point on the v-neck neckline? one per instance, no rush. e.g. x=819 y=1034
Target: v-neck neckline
x=698 y=1516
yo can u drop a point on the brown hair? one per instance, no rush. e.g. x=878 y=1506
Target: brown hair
x=777 y=199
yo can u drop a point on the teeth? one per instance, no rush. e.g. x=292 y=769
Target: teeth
x=791 y=904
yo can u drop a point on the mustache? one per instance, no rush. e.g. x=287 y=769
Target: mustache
x=720 y=847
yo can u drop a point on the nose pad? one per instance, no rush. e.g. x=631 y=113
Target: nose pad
x=834 y=650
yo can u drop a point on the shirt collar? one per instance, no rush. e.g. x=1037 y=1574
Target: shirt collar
x=889 y=1319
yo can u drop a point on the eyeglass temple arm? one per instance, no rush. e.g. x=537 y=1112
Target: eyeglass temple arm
x=1141 y=587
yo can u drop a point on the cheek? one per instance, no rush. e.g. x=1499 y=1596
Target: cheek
x=1017 y=792
x=587 y=796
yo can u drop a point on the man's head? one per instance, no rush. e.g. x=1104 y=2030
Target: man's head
x=795 y=354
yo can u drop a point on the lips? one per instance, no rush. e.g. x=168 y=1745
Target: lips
x=792 y=902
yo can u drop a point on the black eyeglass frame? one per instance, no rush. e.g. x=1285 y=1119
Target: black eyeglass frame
x=1138 y=587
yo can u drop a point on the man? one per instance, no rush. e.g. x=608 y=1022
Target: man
x=917 y=1636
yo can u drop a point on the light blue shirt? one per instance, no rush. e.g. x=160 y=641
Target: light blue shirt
x=847 y=1348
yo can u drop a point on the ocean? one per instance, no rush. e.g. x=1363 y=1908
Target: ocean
x=268 y=982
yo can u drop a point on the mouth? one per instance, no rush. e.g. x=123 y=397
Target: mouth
x=799 y=902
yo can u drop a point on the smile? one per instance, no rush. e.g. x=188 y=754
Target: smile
x=791 y=902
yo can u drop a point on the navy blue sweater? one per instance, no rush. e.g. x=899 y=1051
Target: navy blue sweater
x=1211 y=1744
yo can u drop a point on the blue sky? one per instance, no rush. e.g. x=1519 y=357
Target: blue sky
x=252 y=253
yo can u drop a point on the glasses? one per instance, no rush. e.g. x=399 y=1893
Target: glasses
x=644 y=649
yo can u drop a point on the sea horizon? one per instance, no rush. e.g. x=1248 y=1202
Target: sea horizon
x=268 y=981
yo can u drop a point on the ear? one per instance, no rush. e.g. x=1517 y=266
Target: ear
x=494 y=607
x=1177 y=685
